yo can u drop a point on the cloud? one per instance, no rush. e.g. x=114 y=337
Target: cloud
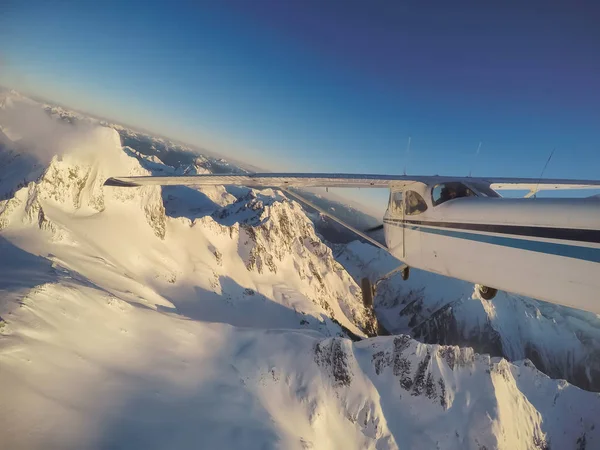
x=35 y=132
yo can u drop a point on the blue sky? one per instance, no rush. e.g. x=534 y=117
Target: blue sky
x=331 y=86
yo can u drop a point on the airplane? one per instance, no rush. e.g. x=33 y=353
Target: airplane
x=461 y=227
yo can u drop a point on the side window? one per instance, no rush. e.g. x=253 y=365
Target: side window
x=415 y=204
x=448 y=191
x=397 y=204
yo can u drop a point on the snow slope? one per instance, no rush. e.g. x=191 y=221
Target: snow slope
x=177 y=318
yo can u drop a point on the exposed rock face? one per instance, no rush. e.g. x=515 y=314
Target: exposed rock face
x=433 y=383
x=332 y=357
x=273 y=231
x=442 y=327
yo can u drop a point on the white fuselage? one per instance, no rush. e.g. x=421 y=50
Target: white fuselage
x=548 y=249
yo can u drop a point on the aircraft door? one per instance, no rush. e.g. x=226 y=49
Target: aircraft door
x=414 y=206
x=394 y=231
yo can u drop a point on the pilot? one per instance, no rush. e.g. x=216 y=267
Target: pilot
x=464 y=191
x=461 y=191
x=448 y=193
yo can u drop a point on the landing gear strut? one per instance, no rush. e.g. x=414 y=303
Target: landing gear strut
x=368 y=288
x=368 y=292
x=405 y=273
x=486 y=293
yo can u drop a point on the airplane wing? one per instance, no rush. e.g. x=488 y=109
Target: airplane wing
x=279 y=180
x=543 y=185
x=267 y=180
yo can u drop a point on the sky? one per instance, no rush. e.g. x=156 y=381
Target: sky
x=329 y=86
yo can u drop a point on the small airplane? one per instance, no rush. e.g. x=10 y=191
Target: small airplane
x=460 y=227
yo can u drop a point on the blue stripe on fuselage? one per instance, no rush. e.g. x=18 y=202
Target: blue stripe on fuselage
x=551 y=248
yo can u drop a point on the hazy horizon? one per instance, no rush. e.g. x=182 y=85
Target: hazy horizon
x=487 y=90
x=331 y=194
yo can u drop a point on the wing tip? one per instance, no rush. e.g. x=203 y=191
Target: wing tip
x=119 y=183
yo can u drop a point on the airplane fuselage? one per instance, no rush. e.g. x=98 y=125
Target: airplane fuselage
x=544 y=248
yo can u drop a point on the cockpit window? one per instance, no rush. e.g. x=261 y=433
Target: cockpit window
x=415 y=204
x=448 y=191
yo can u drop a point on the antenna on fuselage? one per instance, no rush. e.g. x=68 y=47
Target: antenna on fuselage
x=476 y=155
x=542 y=174
x=407 y=151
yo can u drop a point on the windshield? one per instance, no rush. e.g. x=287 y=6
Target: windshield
x=415 y=204
x=485 y=190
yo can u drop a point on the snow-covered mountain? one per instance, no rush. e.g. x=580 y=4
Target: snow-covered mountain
x=562 y=342
x=218 y=318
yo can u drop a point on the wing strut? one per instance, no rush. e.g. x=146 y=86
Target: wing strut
x=341 y=222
